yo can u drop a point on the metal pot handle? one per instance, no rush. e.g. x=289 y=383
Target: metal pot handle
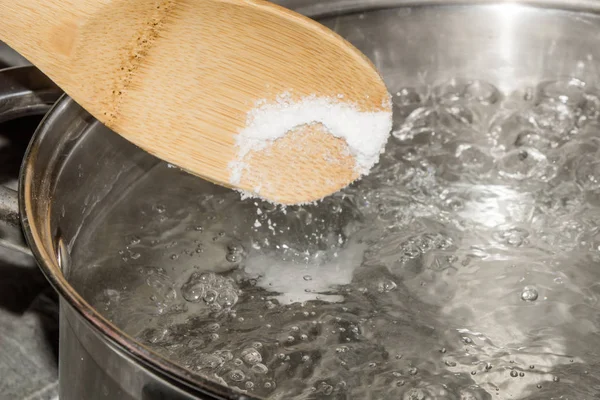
x=24 y=91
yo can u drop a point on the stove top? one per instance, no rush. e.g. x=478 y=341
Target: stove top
x=28 y=305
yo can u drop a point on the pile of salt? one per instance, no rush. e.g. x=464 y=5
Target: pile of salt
x=366 y=133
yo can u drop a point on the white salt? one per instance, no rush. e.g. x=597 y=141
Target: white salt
x=366 y=133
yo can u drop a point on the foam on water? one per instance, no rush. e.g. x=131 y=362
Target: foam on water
x=465 y=266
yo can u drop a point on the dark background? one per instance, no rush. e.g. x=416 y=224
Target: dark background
x=28 y=306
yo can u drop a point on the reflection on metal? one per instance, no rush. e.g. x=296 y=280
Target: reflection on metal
x=24 y=91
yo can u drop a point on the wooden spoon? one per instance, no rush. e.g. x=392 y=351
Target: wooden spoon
x=178 y=78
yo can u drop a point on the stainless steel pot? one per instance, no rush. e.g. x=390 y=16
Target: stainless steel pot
x=73 y=163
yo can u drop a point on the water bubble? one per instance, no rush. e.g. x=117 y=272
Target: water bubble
x=326 y=389
x=237 y=375
x=196 y=343
x=270 y=305
x=406 y=96
x=514 y=236
x=235 y=248
x=568 y=91
x=416 y=394
x=227 y=298
x=474 y=158
x=210 y=296
x=526 y=163
x=433 y=127
x=514 y=373
x=482 y=92
x=473 y=91
x=451 y=91
x=587 y=172
x=207 y=278
x=224 y=354
x=529 y=293
x=233 y=257
x=251 y=356
x=159 y=208
x=386 y=286
x=413 y=371
x=450 y=363
x=307 y=278
x=209 y=361
x=534 y=140
x=235 y=252
x=454 y=203
x=164 y=293
x=260 y=369
x=507 y=128
x=193 y=291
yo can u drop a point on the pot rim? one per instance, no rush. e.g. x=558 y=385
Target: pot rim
x=341 y=7
x=50 y=264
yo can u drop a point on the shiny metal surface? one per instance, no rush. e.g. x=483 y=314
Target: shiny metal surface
x=325 y=9
x=97 y=368
x=23 y=91
x=75 y=167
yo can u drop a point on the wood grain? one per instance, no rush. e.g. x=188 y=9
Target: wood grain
x=179 y=77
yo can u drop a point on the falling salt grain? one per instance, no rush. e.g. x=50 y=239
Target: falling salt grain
x=366 y=133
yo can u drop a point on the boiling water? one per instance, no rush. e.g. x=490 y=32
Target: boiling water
x=466 y=266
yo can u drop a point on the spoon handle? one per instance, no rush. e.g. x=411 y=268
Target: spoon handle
x=45 y=31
